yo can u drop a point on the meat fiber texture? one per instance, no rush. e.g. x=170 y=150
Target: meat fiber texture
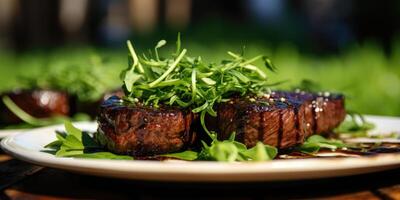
x=281 y=119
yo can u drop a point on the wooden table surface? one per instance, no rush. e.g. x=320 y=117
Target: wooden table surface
x=20 y=180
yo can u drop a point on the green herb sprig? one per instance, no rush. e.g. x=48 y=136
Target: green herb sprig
x=190 y=83
x=316 y=142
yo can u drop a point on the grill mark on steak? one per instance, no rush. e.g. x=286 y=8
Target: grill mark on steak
x=271 y=126
x=240 y=116
x=288 y=128
x=296 y=124
x=188 y=135
x=314 y=117
x=281 y=119
x=261 y=127
x=280 y=131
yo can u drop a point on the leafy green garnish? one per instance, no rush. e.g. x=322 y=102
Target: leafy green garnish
x=356 y=125
x=185 y=155
x=231 y=150
x=260 y=152
x=103 y=155
x=315 y=142
x=188 y=82
x=76 y=143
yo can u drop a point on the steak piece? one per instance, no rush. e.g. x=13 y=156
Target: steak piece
x=281 y=119
x=37 y=103
x=143 y=130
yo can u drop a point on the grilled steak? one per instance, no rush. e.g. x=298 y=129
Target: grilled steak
x=281 y=119
x=38 y=103
x=142 y=130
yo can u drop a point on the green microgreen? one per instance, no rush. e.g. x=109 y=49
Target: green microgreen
x=316 y=142
x=189 y=82
x=184 y=155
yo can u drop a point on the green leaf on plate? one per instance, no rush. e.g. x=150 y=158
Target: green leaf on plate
x=260 y=152
x=230 y=151
x=103 y=155
x=315 y=142
x=185 y=155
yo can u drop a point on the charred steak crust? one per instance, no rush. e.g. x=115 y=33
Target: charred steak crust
x=38 y=103
x=142 y=130
x=280 y=119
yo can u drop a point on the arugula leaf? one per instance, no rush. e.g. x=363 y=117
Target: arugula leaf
x=67 y=152
x=73 y=131
x=54 y=145
x=224 y=151
x=185 y=155
x=230 y=151
x=76 y=143
x=103 y=155
x=185 y=81
x=260 y=152
x=315 y=142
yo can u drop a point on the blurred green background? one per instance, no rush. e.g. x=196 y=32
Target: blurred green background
x=351 y=47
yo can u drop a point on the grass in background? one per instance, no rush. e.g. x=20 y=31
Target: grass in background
x=369 y=78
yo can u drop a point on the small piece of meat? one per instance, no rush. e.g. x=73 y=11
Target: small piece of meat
x=38 y=103
x=143 y=130
x=281 y=119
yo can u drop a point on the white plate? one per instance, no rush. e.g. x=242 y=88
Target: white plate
x=8 y=132
x=27 y=146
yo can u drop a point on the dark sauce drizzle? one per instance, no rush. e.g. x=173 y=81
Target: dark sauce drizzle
x=365 y=149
